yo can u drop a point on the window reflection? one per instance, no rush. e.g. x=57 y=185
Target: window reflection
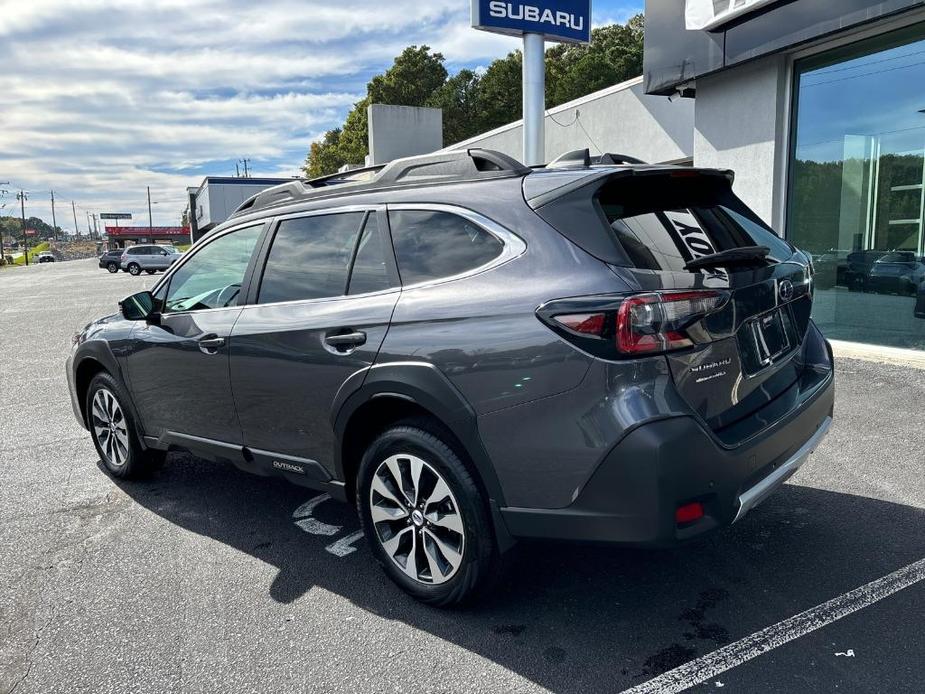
x=857 y=188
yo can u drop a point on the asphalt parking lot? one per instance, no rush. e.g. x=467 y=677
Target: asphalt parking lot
x=205 y=579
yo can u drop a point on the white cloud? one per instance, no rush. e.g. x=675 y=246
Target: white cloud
x=101 y=98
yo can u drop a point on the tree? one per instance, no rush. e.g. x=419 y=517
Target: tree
x=413 y=78
x=324 y=157
x=614 y=56
x=500 y=100
x=459 y=99
x=475 y=103
x=411 y=81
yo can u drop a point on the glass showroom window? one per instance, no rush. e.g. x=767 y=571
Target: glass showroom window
x=857 y=188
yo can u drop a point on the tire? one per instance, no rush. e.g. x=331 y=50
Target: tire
x=465 y=563
x=120 y=451
x=150 y=272
x=134 y=269
x=112 y=267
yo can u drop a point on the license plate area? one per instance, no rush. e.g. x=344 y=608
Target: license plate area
x=767 y=339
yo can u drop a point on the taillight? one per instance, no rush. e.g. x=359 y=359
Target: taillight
x=657 y=322
x=647 y=323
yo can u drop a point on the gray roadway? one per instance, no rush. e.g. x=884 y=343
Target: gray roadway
x=202 y=580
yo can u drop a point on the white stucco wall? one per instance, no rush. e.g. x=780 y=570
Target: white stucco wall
x=739 y=124
x=620 y=119
x=403 y=131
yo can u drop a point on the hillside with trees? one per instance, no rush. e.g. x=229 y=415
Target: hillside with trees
x=474 y=102
x=11 y=228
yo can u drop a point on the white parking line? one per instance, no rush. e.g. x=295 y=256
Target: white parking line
x=702 y=669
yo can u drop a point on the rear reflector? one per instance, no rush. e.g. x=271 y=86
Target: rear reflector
x=688 y=513
x=584 y=323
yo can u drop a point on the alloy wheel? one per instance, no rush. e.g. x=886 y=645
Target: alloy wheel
x=417 y=519
x=109 y=427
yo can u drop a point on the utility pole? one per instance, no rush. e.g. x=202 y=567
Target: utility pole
x=96 y=231
x=237 y=171
x=76 y=228
x=2 y=192
x=25 y=243
x=150 y=216
x=244 y=161
x=54 y=224
x=89 y=228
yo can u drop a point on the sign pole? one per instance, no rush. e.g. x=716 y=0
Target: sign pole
x=534 y=99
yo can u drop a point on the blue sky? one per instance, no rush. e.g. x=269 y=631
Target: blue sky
x=101 y=98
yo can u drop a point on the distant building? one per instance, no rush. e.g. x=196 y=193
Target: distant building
x=218 y=197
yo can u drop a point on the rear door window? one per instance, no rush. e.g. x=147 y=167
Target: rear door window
x=664 y=222
x=431 y=245
x=370 y=272
x=310 y=258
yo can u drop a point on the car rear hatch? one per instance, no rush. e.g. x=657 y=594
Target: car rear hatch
x=732 y=331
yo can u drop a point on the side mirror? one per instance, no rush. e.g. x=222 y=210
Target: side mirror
x=138 y=306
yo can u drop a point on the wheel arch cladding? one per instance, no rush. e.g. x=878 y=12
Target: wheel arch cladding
x=399 y=391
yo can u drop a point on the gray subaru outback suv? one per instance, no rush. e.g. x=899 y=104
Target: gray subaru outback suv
x=472 y=352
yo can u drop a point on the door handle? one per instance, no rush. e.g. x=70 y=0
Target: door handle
x=210 y=344
x=346 y=340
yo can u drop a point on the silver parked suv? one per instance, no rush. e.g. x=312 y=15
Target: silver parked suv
x=149 y=258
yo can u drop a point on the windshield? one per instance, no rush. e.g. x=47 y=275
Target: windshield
x=664 y=222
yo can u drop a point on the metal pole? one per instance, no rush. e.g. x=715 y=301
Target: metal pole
x=76 y=228
x=54 y=224
x=150 y=217
x=25 y=242
x=534 y=77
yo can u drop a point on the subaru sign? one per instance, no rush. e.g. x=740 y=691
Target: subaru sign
x=568 y=21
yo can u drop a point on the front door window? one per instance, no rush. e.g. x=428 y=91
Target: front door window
x=212 y=277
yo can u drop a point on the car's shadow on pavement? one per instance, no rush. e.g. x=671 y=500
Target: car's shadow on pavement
x=572 y=618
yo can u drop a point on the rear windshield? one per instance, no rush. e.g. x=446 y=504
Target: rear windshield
x=665 y=221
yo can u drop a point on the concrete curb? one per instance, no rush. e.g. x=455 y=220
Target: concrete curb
x=877 y=353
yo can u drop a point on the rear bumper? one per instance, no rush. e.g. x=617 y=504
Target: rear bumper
x=633 y=495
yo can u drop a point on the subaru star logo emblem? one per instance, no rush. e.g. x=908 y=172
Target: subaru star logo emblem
x=785 y=290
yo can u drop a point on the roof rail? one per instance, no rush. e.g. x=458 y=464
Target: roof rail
x=457 y=165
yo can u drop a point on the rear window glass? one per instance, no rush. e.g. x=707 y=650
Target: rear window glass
x=431 y=245
x=664 y=222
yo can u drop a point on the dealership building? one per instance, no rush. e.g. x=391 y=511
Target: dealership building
x=818 y=107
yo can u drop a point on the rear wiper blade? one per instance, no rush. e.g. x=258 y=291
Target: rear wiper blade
x=733 y=256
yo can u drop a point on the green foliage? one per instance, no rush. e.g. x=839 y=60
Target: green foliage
x=614 y=56
x=459 y=98
x=324 y=157
x=474 y=103
x=500 y=92
x=415 y=75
